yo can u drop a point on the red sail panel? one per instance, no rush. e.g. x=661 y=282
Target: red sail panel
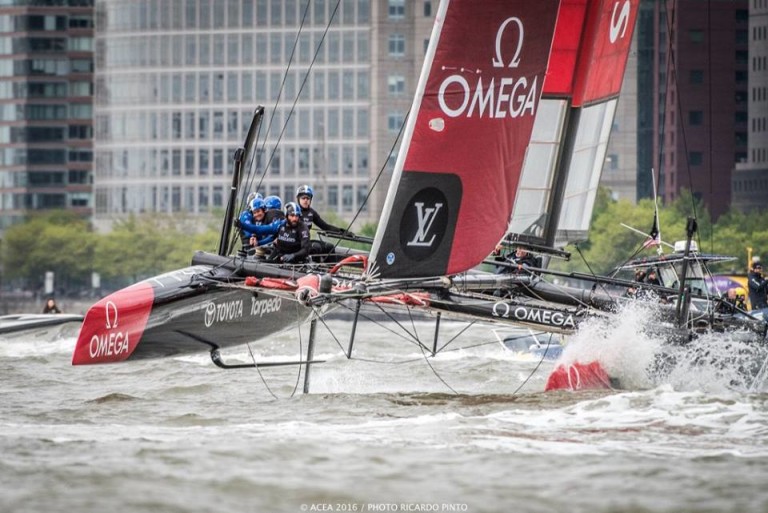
x=452 y=201
x=565 y=48
x=604 y=51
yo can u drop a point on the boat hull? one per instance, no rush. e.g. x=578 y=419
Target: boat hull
x=188 y=311
x=44 y=327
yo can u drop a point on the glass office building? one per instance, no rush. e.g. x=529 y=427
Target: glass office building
x=177 y=82
x=46 y=87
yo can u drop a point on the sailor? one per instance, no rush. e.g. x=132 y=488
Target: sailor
x=731 y=301
x=652 y=277
x=252 y=196
x=304 y=196
x=274 y=206
x=292 y=243
x=758 y=287
x=50 y=307
x=254 y=231
x=521 y=260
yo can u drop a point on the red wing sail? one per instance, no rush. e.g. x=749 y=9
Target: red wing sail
x=457 y=173
x=599 y=73
x=570 y=135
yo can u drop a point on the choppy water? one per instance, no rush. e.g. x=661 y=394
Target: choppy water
x=469 y=430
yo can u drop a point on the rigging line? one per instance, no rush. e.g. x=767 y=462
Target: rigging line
x=369 y=360
x=298 y=95
x=258 y=370
x=413 y=339
x=301 y=352
x=479 y=344
x=672 y=72
x=633 y=255
x=437 y=375
x=378 y=175
x=602 y=285
x=414 y=336
x=331 y=333
x=453 y=339
x=535 y=369
x=282 y=86
x=709 y=100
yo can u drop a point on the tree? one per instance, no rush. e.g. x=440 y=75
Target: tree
x=57 y=241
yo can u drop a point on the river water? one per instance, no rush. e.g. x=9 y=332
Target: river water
x=390 y=430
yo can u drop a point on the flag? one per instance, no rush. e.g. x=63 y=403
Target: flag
x=654 y=236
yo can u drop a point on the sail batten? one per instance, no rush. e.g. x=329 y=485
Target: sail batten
x=465 y=141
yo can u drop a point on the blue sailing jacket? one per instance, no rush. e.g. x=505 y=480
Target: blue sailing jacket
x=264 y=233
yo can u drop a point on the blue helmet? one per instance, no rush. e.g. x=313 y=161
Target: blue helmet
x=292 y=208
x=273 y=202
x=252 y=196
x=305 y=190
x=257 y=203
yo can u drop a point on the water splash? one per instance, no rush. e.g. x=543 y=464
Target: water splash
x=634 y=347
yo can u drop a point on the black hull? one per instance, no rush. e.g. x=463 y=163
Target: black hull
x=21 y=323
x=192 y=310
x=550 y=318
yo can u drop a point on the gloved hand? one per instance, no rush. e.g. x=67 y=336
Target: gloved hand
x=238 y=225
x=274 y=255
x=348 y=233
x=287 y=259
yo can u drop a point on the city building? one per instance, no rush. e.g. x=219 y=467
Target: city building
x=701 y=118
x=177 y=82
x=750 y=178
x=46 y=88
x=620 y=170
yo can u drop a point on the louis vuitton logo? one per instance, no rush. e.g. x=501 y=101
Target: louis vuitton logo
x=426 y=216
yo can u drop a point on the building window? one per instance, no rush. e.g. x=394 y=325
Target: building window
x=695 y=117
x=347 y=198
x=396 y=45
x=396 y=85
x=394 y=121
x=428 y=8
x=695 y=158
x=696 y=35
x=696 y=76
x=362 y=195
x=396 y=9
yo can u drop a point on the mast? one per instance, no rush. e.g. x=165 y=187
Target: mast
x=242 y=155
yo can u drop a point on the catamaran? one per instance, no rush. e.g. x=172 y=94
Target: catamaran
x=506 y=140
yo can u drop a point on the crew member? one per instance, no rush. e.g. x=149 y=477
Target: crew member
x=309 y=216
x=652 y=277
x=292 y=243
x=520 y=261
x=304 y=196
x=758 y=287
x=274 y=206
x=731 y=302
x=254 y=231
